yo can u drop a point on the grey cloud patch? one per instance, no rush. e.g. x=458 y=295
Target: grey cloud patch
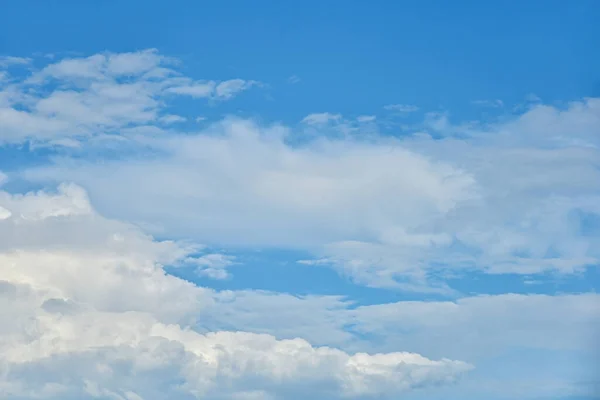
x=59 y=306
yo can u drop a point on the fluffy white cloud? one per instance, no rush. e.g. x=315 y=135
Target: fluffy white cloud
x=515 y=196
x=103 y=93
x=86 y=310
x=261 y=191
x=477 y=327
x=518 y=342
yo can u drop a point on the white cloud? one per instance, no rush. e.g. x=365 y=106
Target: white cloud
x=506 y=335
x=197 y=89
x=92 y=313
x=509 y=197
x=485 y=326
x=227 y=89
x=281 y=193
x=213 y=265
x=497 y=103
x=478 y=327
x=402 y=108
x=533 y=98
x=293 y=79
x=6 y=61
x=103 y=93
x=224 y=90
x=172 y=119
x=321 y=118
x=366 y=118
x=105 y=66
x=387 y=211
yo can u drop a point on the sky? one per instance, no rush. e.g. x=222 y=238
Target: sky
x=274 y=200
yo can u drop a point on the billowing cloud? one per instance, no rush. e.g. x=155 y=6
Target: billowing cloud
x=512 y=198
x=86 y=310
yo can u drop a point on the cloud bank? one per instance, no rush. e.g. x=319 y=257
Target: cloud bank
x=87 y=309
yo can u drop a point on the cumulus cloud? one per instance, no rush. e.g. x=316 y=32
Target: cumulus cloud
x=86 y=310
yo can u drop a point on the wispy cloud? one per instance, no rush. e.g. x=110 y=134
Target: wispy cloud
x=88 y=291
x=293 y=79
x=321 y=118
x=401 y=108
x=171 y=119
x=98 y=94
x=224 y=90
x=366 y=118
x=6 y=61
x=489 y=103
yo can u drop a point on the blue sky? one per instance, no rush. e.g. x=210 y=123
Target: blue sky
x=259 y=200
x=359 y=57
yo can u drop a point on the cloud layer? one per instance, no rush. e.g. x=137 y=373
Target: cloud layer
x=516 y=197
x=88 y=310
